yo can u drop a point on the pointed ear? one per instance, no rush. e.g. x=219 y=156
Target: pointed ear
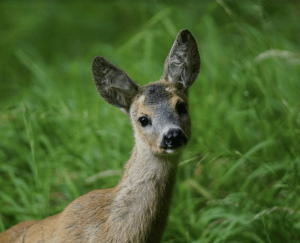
x=183 y=61
x=114 y=86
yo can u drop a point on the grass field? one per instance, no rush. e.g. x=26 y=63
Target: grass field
x=239 y=179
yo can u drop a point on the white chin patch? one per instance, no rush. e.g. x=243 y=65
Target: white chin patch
x=170 y=151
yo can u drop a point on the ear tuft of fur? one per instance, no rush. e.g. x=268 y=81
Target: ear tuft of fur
x=183 y=61
x=113 y=84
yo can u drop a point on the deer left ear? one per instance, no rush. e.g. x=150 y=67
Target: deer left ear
x=183 y=62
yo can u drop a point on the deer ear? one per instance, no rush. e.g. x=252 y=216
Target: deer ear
x=114 y=86
x=183 y=62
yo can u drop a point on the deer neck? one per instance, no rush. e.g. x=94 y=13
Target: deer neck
x=141 y=204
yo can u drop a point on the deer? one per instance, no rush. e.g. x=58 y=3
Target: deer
x=136 y=209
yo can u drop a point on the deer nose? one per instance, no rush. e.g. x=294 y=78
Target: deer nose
x=173 y=139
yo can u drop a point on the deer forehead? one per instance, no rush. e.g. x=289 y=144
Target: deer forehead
x=153 y=96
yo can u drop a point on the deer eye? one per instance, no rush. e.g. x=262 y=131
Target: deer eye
x=144 y=121
x=181 y=109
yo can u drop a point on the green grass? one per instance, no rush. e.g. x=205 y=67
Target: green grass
x=238 y=180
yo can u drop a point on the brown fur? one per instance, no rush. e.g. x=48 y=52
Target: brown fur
x=135 y=210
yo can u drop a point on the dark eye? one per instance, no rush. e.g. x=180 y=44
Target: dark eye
x=181 y=109
x=144 y=121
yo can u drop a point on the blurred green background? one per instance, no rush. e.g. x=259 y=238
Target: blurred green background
x=238 y=180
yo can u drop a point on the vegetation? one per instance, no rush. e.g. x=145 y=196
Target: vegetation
x=239 y=180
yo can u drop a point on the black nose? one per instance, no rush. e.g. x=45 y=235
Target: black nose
x=173 y=139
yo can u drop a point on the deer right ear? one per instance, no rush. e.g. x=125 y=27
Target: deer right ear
x=113 y=84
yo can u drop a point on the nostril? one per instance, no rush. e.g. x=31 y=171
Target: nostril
x=175 y=133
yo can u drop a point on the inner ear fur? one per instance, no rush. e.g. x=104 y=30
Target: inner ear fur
x=113 y=84
x=183 y=61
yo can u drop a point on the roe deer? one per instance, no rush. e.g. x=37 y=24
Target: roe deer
x=135 y=210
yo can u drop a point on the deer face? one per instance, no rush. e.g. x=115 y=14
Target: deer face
x=160 y=118
x=158 y=111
